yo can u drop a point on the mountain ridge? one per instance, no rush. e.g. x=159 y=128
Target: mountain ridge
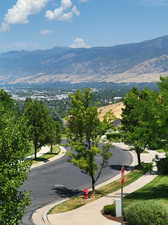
x=98 y=64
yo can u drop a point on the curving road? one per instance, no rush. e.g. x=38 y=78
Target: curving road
x=60 y=179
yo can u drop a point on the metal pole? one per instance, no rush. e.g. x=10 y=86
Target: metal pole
x=122 y=211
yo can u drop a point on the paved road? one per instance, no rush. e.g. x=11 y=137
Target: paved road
x=60 y=179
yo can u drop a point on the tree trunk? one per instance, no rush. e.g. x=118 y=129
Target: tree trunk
x=93 y=184
x=35 y=151
x=138 y=157
x=51 y=149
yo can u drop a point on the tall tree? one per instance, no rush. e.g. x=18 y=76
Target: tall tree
x=54 y=133
x=139 y=119
x=14 y=144
x=6 y=101
x=38 y=118
x=84 y=129
x=163 y=111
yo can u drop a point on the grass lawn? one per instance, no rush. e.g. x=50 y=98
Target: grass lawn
x=78 y=201
x=155 y=190
x=160 y=150
x=48 y=155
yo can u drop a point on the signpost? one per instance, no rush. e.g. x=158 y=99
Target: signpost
x=122 y=185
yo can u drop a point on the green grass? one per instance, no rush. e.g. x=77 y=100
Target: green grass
x=78 y=201
x=160 y=150
x=47 y=156
x=155 y=190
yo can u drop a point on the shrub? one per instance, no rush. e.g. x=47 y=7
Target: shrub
x=162 y=166
x=148 y=212
x=113 y=136
x=147 y=167
x=109 y=210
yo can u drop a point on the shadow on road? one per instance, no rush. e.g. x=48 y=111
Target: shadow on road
x=118 y=167
x=65 y=192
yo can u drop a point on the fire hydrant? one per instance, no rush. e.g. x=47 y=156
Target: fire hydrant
x=85 y=192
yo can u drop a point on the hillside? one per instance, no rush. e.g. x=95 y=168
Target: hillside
x=136 y=62
x=116 y=109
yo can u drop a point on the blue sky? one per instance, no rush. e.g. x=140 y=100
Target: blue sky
x=39 y=24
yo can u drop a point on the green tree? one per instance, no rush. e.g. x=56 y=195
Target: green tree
x=54 y=133
x=14 y=144
x=6 y=101
x=139 y=119
x=84 y=129
x=163 y=112
x=38 y=118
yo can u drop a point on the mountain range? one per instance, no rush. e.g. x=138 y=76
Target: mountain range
x=135 y=62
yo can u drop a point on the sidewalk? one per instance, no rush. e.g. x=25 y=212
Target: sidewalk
x=43 y=150
x=46 y=149
x=90 y=214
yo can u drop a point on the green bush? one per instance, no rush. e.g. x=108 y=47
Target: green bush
x=109 y=210
x=147 y=167
x=148 y=212
x=113 y=136
x=162 y=166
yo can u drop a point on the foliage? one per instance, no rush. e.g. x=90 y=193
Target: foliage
x=163 y=112
x=84 y=130
x=108 y=121
x=147 y=213
x=140 y=124
x=162 y=166
x=40 y=122
x=109 y=210
x=54 y=134
x=14 y=144
x=114 y=136
x=147 y=167
x=6 y=101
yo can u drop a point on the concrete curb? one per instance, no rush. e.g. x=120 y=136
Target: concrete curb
x=40 y=217
x=60 y=155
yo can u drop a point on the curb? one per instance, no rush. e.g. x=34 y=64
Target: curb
x=39 y=217
x=60 y=155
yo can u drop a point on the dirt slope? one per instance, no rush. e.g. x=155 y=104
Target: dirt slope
x=116 y=109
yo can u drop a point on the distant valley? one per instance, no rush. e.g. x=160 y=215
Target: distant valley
x=137 y=62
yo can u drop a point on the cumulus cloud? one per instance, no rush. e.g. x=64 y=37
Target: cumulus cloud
x=45 y=32
x=65 y=12
x=20 y=12
x=79 y=43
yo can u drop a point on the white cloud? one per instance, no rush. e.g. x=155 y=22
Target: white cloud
x=75 y=10
x=66 y=4
x=65 y=12
x=20 y=12
x=79 y=43
x=45 y=32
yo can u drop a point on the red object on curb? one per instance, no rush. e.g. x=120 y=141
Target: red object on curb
x=86 y=193
x=122 y=180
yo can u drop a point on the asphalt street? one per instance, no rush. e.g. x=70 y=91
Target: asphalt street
x=60 y=179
